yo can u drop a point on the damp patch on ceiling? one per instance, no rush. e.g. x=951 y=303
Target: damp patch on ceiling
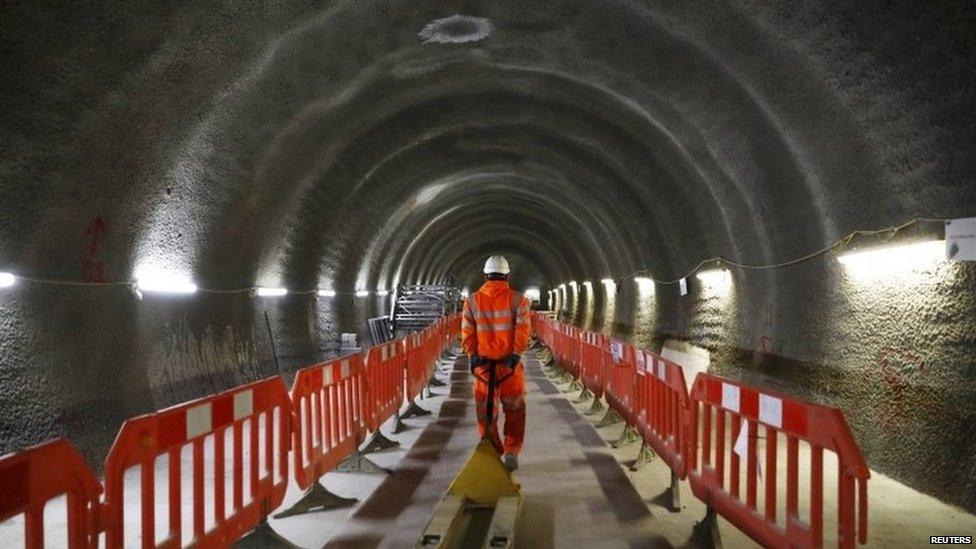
x=456 y=29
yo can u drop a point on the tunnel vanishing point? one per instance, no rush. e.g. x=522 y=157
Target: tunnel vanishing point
x=687 y=174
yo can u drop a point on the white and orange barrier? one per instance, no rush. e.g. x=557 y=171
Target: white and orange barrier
x=256 y=417
x=716 y=403
x=706 y=434
x=385 y=365
x=328 y=401
x=32 y=478
x=219 y=464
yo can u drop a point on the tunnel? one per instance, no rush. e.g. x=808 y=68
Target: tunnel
x=202 y=195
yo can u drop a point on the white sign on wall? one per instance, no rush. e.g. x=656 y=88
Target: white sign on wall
x=683 y=286
x=961 y=239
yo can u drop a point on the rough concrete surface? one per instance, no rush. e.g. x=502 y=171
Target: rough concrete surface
x=360 y=144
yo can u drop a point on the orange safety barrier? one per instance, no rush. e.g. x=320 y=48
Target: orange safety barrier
x=592 y=362
x=264 y=405
x=421 y=349
x=384 y=382
x=663 y=419
x=823 y=428
x=33 y=477
x=619 y=371
x=328 y=402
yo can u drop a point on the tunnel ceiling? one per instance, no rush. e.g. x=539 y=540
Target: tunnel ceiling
x=362 y=143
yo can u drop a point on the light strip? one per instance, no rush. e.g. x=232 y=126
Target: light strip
x=7 y=280
x=382 y=292
x=327 y=293
x=895 y=258
x=362 y=293
x=714 y=277
x=272 y=292
x=644 y=284
x=166 y=286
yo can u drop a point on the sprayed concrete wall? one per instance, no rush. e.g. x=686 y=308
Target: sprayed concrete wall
x=271 y=144
x=892 y=348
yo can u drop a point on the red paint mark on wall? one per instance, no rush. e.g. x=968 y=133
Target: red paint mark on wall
x=93 y=270
x=901 y=371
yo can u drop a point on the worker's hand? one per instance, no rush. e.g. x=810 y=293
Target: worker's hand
x=513 y=361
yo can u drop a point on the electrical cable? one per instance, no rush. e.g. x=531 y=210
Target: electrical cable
x=844 y=241
x=643 y=272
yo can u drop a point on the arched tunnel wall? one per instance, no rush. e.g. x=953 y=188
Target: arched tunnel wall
x=356 y=145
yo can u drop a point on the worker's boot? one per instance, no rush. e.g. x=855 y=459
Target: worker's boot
x=511 y=462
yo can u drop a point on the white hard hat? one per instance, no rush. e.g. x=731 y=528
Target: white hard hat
x=496 y=264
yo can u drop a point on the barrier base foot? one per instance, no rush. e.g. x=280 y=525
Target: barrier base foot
x=675 y=493
x=584 y=395
x=596 y=407
x=645 y=456
x=706 y=531
x=434 y=382
x=358 y=463
x=414 y=411
x=378 y=443
x=264 y=537
x=316 y=498
x=575 y=386
x=399 y=426
x=610 y=418
x=628 y=436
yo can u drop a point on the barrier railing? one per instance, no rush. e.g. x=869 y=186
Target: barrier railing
x=257 y=414
x=591 y=362
x=419 y=362
x=713 y=400
x=384 y=382
x=620 y=372
x=32 y=478
x=664 y=423
x=220 y=462
x=682 y=428
x=329 y=424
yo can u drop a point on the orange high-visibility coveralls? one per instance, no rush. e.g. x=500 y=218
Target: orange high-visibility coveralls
x=495 y=325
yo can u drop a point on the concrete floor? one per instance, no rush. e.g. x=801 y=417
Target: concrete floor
x=577 y=489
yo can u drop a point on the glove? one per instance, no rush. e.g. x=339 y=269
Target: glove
x=476 y=360
x=513 y=361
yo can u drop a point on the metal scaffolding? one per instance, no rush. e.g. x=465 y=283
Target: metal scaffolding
x=417 y=306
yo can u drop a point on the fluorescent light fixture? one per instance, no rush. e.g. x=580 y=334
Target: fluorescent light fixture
x=718 y=282
x=608 y=282
x=588 y=284
x=715 y=277
x=164 y=282
x=327 y=293
x=7 y=280
x=532 y=293
x=644 y=284
x=894 y=259
x=271 y=292
x=362 y=293
x=562 y=286
x=572 y=283
x=172 y=286
x=382 y=292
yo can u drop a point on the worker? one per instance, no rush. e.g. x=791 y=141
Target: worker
x=495 y=327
